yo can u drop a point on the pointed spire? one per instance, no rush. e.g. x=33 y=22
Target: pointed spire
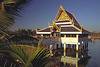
x=61 y=6
x=53 y=22
x=36 y=30
x=48 y=24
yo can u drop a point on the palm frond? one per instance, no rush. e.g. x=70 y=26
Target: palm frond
x=9 y=9
x=28 y=55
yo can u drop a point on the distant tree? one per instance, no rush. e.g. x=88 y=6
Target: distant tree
x=29 y=31
x=24 y=31
x=34 y=32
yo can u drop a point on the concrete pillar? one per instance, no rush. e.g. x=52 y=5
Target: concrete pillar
x=77 y=64
x=51 y=50
x=77 y=59
x=76 y=47
x=64 y=49
x=64 y=35
x=76 y=54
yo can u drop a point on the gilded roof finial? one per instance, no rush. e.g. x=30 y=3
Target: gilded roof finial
x=53 y=22
x=48 y=24
x=36 y=30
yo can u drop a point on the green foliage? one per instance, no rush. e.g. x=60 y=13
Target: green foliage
x=24 y=32
x=27 y=55
x=9 y=9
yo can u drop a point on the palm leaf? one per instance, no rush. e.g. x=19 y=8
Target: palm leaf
x=37 y=57
x=9 y=9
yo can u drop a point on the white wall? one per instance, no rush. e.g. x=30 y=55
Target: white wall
x=69 y=40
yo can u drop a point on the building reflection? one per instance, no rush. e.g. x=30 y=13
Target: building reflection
x=74 y=58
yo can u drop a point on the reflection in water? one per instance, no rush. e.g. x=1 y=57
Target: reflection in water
x=72 y=58
x=91 y=57
x=75 y=59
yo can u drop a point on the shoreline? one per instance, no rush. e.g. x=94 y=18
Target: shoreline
x=93 y=37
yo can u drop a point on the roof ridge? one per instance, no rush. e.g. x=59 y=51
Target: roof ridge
x=43 y=28
x=77 y=28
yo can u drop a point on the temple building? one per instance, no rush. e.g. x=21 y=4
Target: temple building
x=65 y=31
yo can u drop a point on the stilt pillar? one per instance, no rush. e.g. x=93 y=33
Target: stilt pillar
x=51 y=50
x=76 y=54
x=77 y=59
x=76 y=47
x=64 y=49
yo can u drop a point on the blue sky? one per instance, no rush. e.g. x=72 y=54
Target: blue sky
x=39 y=12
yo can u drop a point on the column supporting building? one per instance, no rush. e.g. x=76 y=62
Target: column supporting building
x=76 y=47
x=64 y=49
x=51 y=50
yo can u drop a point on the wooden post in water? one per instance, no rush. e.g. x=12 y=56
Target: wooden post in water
x=64 y=49
x=51 y=50
x=76 y=47
x=77 y=59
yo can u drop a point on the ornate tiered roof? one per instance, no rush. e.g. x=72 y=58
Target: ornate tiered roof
x=64 y=23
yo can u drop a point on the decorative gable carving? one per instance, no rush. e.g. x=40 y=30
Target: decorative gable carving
x=63 y=16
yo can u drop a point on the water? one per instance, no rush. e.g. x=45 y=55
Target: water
x=93 y=56
x=94 y=52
